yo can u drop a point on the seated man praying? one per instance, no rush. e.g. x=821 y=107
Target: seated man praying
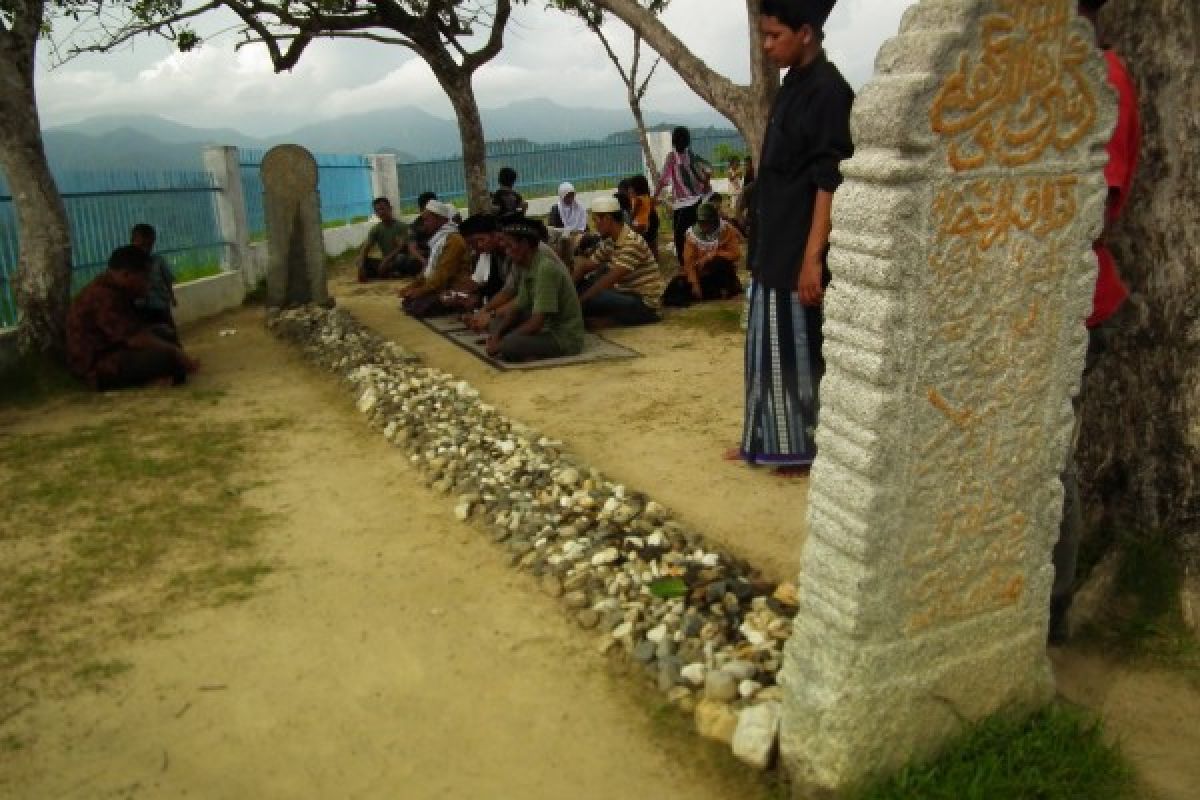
x=447 y=268
x=711 y=253
x=620 y=282
x=385 y=253
x=491 y=268
x=156 y=306
x=109 y=343
x=545 y=319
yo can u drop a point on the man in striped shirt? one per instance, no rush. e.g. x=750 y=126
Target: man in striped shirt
x=626 y=285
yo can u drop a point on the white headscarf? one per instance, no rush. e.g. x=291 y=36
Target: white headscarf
x=437 y=243
x=574 y=216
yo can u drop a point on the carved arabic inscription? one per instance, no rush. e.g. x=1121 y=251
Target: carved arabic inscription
x=1027 y=92
x=1019 y=97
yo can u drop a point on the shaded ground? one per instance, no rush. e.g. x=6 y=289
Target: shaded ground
x=391 y=653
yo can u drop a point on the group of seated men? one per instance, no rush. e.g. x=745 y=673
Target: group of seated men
x=508 y=274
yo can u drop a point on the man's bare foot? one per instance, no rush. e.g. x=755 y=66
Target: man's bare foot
x=733 y=454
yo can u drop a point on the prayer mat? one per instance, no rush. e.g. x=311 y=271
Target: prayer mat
x=595 y=347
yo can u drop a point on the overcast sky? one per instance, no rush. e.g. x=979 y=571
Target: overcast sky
x=546 y=54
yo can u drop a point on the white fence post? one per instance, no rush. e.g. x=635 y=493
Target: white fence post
x=660 y=146
x=385 y=180
x=223 y=162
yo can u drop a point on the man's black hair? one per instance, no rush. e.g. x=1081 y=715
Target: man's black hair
x=379 y=200
x=507 y=177
x=518 y=226
x=797 y=13
x=1093 y=5
x=425 y=197
x=640 y=185
x=143 y=230
x=681 y=139
x=129 y=259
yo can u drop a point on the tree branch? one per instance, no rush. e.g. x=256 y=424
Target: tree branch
x=612 y=56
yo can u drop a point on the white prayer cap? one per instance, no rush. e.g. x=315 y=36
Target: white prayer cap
x=443 y=210
x=608 y=204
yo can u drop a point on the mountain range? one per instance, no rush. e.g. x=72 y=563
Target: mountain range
x=142 y=141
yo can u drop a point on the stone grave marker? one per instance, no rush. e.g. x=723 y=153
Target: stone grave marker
x=955 y=339
x=295 y=247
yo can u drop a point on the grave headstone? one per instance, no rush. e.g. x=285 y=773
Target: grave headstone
x=295 y=248
x=955 y=339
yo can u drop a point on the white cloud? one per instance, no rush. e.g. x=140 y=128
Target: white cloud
x=546 y=55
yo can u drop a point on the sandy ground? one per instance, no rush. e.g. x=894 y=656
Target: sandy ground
x=1154 y=716
x=660 y=423
x=393 y=654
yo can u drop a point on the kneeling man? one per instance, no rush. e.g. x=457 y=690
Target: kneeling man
x=109 y=344
x=545 y=320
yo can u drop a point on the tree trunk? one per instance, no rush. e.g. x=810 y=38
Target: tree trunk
x=1140 y=449
x=747 y=107
x=764 y=77
x=43 y=280
x=457 y=84
x=635 y=105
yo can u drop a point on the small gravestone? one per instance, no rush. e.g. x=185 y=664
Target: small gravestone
x=955 y=339
x=295 y=247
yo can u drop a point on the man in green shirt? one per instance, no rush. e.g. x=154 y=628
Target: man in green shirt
x=385 y=253
x=545 y=320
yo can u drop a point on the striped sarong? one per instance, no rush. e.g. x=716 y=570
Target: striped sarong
x=782 y=376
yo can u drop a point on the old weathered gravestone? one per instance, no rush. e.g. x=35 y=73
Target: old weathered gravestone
x=295 y=248
x=955 y=338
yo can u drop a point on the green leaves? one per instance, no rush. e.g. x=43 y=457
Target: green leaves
x=668 y=588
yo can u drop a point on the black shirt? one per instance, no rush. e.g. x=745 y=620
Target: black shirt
x=807 y=137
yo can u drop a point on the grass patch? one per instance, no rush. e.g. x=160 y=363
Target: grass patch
x=714 y=318
x=101 y=520
x=1057 y=754
x=195 y=273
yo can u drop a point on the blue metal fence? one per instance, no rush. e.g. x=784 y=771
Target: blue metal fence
x=542 y=167
x=101 y=209
x=343 y=183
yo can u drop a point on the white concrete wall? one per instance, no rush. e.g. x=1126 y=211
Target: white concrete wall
x=208 y=297
x=337 y=242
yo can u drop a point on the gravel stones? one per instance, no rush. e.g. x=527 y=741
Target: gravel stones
x=651 y=588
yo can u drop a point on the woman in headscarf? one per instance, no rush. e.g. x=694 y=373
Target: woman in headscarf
x=690 y=179
x=568 y=213
x=711 y=254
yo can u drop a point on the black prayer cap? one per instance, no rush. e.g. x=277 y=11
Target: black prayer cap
x=479 y=224
x=1093 y=5
x=798 y=13
x=523 y=227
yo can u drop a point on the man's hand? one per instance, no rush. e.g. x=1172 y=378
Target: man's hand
x=812 y=293
x=479 y=321
x=493 y=345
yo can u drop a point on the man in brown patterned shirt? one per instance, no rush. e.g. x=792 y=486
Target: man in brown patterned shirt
x=108 y=343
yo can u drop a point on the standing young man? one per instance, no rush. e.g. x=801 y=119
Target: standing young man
x=1110 y=295
x=808 y=135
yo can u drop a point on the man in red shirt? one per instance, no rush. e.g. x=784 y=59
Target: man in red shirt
x=1109 y=296
x=109 y=345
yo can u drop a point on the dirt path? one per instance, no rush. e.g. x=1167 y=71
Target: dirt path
x=392 y=653
x=659 y=423
x=1154 y=715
